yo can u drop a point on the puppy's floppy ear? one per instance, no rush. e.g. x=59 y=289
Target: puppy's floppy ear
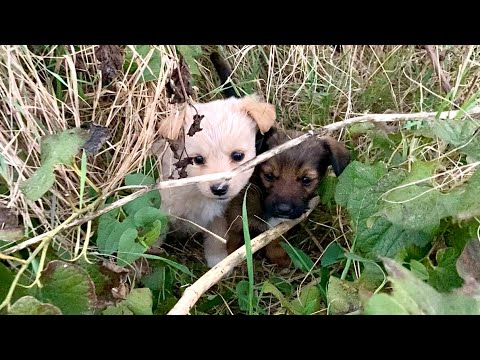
x=339 y=156
x=262 y=113
x=172 y=125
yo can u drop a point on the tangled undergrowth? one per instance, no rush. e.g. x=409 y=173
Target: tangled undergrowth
x=396 y=233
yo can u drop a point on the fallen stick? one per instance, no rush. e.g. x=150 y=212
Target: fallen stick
x=215 y=274
x=249 y=164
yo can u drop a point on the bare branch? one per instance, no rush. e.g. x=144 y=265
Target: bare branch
x=215 y=274
x=251 y=163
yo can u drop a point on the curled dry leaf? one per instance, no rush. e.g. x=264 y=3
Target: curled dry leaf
x=179 y=84
x=181 y=166
x=196 y=125
x=111 y=61
x=98 y=136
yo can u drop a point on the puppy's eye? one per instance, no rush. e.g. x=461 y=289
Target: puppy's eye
x=269 y=177
x=237 y=156
x=199 y=160
x=306 y=181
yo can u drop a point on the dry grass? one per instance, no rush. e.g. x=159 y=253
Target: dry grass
x=44 y=90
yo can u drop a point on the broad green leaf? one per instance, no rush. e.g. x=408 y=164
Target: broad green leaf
x=55 y=149
x=459 y=133
x=6 y=278
x=111 y=242
x=333 y=254
x=152 y=198
x=444 y=276
x=242 y=291
x=68 y=287
x=309 y=301
x=374 y=235
x=189 y=53
x=342 y=296
x=128 y=249
x=139 y=179
x=416 y=297
x=152 y=70
x=39 y=183
x=117 y=310
x=419 y=270
x=106 y=224
x=382 y=304
x=61 y=148
x=299 y=258
x=28 y=305
x=150 y=222
x=140 y=301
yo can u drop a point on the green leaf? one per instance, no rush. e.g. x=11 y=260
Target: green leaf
x=140 y=301
x=128 y=249
x=372 y=276
x=150 y=222
x=150 y=199
x=39 y=183
x=342 y=296
x=309 y=301
x=382 y=304
x=139 y=179
x=300 y=259
x=444 y=276
x=28 y=305
x=61 y=148
x=189 y=53
x=416 y=297
x=326 y=190
x=109 y=236
x=68 y=287
x=153 y=68
x=419 y=270
x=459 y=132
x=6 y=278
x=333 y=254
x=374 y=235
x=172 y=263
x=242 y=291
x=117 y=310
x=55 y=149
x=269 y=288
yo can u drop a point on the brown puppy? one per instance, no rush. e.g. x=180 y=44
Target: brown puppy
x=282 y=187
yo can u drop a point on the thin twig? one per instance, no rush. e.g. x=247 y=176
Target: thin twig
x=215 y=274
x=225 y=176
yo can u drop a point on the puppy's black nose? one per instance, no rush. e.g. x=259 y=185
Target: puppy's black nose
x=219 y=190
x=284 y=209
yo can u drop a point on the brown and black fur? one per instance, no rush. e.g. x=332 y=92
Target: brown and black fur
x=283 y=186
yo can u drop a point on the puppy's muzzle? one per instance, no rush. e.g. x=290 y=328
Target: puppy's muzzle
x=287 y=210
x=218 y=189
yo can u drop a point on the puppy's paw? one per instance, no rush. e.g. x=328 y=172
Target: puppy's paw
x=214 y=258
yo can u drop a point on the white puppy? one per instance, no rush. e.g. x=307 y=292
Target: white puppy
x=227 y=140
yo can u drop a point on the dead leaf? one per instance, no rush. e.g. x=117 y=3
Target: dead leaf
x=179 y=84
x=182 y=165
x=98 y=136
x=196 y=125
x=111 y=61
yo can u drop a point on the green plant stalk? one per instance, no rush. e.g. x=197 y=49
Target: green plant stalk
x=8 y=298
x=248 y=248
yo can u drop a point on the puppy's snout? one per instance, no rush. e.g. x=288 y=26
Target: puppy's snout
x=218 y=189
x=284 y=209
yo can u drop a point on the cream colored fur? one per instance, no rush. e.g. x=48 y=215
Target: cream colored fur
x=228 y=125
